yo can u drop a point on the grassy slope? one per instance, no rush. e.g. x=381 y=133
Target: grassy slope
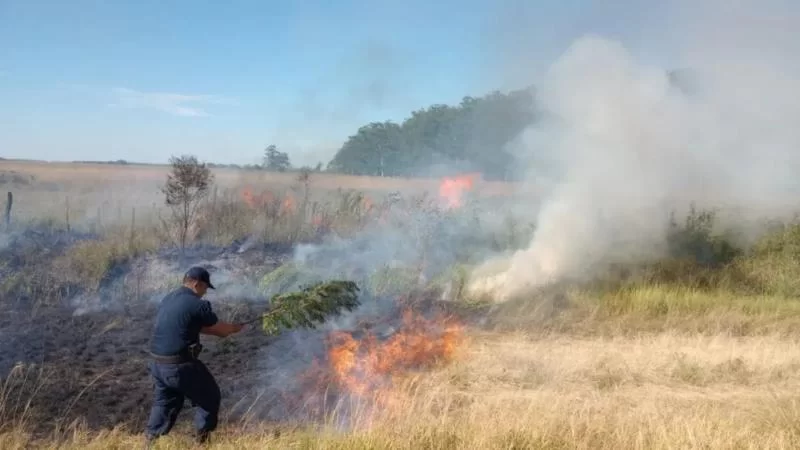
x=680 y=357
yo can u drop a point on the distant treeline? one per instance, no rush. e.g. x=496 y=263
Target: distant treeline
x=471 y=136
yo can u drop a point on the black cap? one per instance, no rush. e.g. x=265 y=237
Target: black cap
x=200 y=274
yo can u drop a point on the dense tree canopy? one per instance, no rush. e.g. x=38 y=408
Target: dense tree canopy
x=470 y=136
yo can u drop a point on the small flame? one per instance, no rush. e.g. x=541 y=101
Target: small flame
x=254 y=200
x=267 y=199
x=452 y=190
x=289 y=205
x=367 y=204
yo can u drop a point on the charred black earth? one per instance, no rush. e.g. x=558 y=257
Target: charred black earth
x=59 y=366
x=93 y=366
x=67 y=356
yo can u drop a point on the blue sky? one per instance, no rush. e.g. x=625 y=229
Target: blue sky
x=140 y=80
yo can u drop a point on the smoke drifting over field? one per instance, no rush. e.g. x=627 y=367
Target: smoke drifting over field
x=405 y=249
x=625 y=146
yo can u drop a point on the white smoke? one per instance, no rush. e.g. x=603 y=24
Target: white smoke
x=626 y=146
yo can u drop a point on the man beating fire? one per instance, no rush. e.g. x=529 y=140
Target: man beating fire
x=174 y=366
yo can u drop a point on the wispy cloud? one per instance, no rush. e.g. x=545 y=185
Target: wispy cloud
x=168 y=102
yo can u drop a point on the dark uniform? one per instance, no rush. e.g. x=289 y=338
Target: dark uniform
x=177 y=373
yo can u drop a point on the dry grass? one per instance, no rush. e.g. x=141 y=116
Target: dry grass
x=97 y=173
x=685 y=357
x=104 y=197
x=513 y=391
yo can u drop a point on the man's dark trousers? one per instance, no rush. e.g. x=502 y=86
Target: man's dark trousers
x=175 y=382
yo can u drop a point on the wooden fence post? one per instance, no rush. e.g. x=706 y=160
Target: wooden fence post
x=9 y=202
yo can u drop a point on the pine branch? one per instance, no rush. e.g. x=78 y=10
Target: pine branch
x=312 y=305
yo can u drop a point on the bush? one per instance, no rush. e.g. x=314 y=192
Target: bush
x=695 y=240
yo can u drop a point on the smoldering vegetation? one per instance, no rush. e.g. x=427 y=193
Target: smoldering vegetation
x=626 y=143
x=80 y=303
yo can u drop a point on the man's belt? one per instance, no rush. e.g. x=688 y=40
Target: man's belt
x=189 y=355
x=171 y=359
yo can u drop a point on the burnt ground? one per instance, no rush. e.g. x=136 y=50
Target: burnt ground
x=65 y=359
x=92 y=367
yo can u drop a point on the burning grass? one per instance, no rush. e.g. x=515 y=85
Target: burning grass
x=673 y=354
x=514 y=391
x=364 y=372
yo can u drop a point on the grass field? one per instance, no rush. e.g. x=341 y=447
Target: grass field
x=110 y=194
x=85 y=173
x=673 y=354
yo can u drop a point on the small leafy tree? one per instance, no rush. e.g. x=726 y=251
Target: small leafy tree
x=276 y=160
x=188 y=183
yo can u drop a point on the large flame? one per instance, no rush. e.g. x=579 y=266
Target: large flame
x=452 y=189
x=368 y=366
x=368 y=369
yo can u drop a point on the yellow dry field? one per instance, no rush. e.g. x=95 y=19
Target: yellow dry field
x=509 y=391
x=647 y=368
x=84 y=173
x=110 y=193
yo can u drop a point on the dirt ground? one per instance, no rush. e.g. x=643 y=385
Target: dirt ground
x=94 y=366
x=57 y=366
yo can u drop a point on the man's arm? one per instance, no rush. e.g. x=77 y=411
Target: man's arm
x=222 y=329
x=212 y=325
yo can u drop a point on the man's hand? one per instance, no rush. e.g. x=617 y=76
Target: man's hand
x=222 y=329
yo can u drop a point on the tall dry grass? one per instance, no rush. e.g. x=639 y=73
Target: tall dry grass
x=513 y=391
x=674 y=354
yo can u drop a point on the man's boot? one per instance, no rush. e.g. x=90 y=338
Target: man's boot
x=149 y=442
x=202 y=437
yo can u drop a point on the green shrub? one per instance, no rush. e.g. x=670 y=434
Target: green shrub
x=696 y=240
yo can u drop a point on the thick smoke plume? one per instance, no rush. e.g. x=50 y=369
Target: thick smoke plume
x=626 y=143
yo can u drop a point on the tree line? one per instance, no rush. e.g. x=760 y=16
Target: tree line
x=471 y=136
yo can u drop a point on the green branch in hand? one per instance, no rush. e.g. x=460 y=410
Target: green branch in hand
x=312 y=305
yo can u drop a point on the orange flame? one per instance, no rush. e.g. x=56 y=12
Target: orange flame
x=367 y=204
x=254 y=200
x=368 y=368
x=289 y=204
x=259 y=201
x=452 y=190
x=249 y=198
